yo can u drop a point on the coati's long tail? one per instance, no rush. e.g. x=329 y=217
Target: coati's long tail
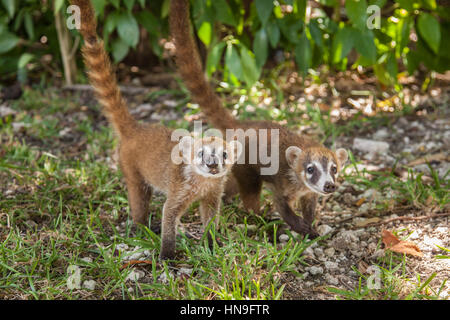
x=100 y=72
x=190 y=67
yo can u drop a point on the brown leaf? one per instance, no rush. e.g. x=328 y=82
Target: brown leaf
x=360 y=202
x=394 y=244
x=389 y=239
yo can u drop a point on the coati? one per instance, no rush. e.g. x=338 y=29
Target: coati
x=146 y=152
x=306 y=168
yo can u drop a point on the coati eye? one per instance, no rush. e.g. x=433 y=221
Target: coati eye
x=225 y=155
x=310 y=170
x=333 y=169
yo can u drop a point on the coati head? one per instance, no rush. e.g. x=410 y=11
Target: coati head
x=210 y=156
x=317 y=167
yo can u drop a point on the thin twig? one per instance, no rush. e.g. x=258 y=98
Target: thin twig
x=404 y=218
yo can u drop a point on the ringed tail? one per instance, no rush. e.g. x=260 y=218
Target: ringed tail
x=191 y=70
x=100 y=72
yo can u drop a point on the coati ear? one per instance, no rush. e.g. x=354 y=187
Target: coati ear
x=342 y=156
x=292 y=155
x=185 y=146
x=236 y=148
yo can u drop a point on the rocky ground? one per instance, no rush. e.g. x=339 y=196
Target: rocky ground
x=355 y=215
x=380 y=190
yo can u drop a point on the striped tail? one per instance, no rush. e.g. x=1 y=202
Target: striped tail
x=190 y=67
x=100 y=72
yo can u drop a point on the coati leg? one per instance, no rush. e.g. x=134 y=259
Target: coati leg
x=173 y=209
x=308 y=205
x=297 y=224
x=231 y=190
x=209 y=207
x=250 y=185
x=139 y=194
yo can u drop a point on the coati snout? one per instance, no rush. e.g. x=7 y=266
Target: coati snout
x=317 y=168
x=210 y=156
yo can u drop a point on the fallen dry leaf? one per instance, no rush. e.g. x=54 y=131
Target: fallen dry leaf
x=394 y=244
x=360 y=202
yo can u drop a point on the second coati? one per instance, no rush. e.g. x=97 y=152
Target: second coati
x=306 y=168
x=146 y=152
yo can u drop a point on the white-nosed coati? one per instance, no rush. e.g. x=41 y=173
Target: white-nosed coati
x=306 y=168
x=146 y=151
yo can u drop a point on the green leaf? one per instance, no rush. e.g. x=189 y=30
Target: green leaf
x=356 y=11
x=365 y=45
x=412 y=61
x=214 y=58
x=110 y=23
x=99 y=6
x=165 y=8
x=300 y=9
x=303 y=53
x=429 y=29
x=120 y=49
x=406 y=4
x=24 y=59
x=7 y=41
x=29 y=25
x=58 y=5
x=223 y=12
x=261 y=47
x=342 y=43
x=128 y=29
x=148 y=21
x=273 y=32
x=391 y=66
x=316 y=33
x=250 y=70
x=129 y=4
x=115 y=3
x=264 y=9
x=205 y=33
x=10 y=7
x=429 y=4
x=233 y=61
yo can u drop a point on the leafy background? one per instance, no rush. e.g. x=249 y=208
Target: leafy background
x=241 y=37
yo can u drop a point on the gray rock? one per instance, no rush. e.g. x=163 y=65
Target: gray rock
x=186 y=271
x=372 y=146
x=309 y=252
x=329 y=252
x=381 y=134
x=6 y=111
x=314 y=270
x=134 y=275
x=331 y=280
x=324 y=229
x=318 y=252
x=344 y=240
x=89 y=284
x=349 y=199
x=330 y=265
x=283 y=238
x=378 y=254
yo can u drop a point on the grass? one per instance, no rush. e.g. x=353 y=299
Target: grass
x=62 y=202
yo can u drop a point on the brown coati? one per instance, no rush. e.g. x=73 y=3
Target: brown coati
x=306 y=168
x=147 y=153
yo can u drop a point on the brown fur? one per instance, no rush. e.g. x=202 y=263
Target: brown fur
x=145 y=150
x=286 y=185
